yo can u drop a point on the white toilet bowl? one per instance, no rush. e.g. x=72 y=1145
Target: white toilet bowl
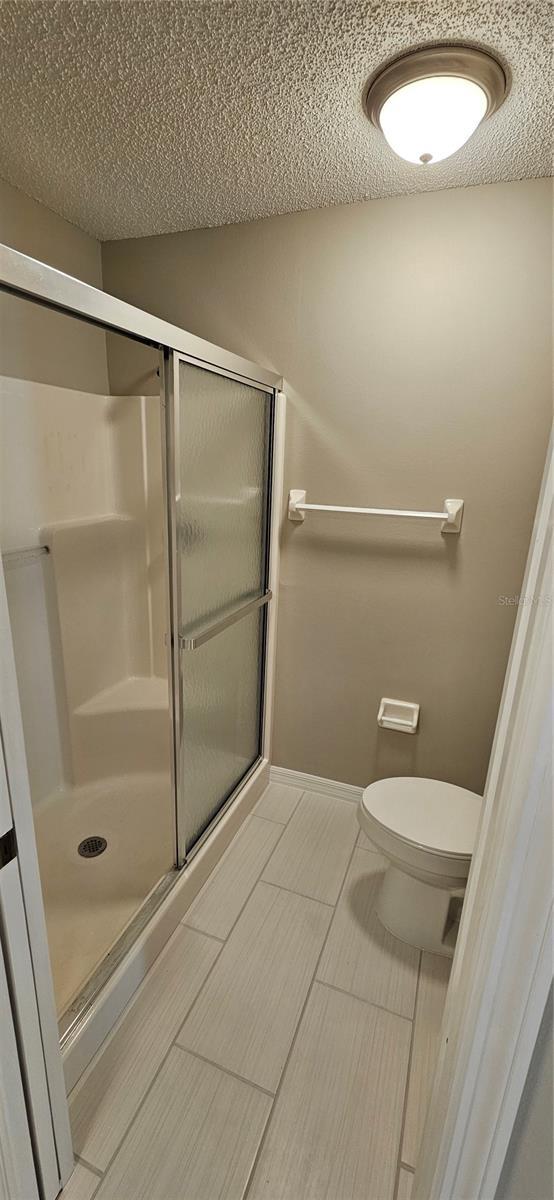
x=427 y=830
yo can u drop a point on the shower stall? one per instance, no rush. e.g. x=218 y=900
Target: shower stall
x=139 y=538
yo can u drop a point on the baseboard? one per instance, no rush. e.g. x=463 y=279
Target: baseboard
x=314 y=783
x=114 y=997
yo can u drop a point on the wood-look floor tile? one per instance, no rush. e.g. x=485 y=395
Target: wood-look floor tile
x=81 y=1186
x=335 y=1129
x=360 y=956
x=218 y=904
x=405 y=1184
x=278 y=802
x=105 y=1100
x=313 y=853
x=195 y=1137
x=246 y=1014
x=431 y=996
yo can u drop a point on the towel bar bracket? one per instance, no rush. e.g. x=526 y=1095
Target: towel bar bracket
x=450 y=516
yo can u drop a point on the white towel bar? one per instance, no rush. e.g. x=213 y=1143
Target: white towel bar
x=451 y=516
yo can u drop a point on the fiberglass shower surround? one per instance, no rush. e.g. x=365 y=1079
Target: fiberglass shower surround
x=140 y=611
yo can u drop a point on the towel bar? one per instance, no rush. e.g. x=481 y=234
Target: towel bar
x=451 y=516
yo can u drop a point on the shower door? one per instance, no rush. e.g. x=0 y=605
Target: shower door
x=222 y=438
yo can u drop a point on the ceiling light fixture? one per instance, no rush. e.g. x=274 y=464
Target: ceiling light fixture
x=428 y=103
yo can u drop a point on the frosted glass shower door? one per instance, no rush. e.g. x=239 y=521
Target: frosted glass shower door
x=223 y=449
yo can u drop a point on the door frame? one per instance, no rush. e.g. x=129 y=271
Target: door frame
x=18 y=1179
x=26 y=944
x=502 y=968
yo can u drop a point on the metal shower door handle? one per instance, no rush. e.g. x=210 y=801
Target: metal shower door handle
x=192 y=641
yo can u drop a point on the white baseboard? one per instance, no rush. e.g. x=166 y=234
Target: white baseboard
x=314 y=783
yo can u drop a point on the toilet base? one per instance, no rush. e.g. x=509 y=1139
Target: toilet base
x=418 y=913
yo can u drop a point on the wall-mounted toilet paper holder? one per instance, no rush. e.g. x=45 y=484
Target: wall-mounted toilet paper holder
x=402 y=715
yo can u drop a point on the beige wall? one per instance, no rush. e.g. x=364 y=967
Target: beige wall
x=35 y=343
x=414 y=337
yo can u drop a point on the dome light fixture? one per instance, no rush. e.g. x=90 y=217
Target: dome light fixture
x=428 y=103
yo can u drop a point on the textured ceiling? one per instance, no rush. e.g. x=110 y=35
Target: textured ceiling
x=133 y=118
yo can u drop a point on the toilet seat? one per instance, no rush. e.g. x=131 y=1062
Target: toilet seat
x=436 y=816
x=425 y=825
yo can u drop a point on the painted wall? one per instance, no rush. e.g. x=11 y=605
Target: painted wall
x=35 y=343
x=414 y=335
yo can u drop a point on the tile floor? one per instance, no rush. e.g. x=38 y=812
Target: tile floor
x=283 y=1045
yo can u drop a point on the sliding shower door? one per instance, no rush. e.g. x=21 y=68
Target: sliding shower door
x=222 y=437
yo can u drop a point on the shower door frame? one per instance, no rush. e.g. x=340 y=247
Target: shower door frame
x=35 y=281
x=174 y=482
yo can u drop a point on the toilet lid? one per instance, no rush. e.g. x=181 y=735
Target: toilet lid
x=426 y=812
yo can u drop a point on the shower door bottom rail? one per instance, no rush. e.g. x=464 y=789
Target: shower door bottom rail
x=236 y=792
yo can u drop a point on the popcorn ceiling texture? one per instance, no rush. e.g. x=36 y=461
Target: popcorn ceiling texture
x=135 y=118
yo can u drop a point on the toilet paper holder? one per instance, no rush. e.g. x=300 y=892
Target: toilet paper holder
x=402 y=715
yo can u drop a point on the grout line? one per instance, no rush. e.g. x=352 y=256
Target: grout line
x=259 y=817
x=222 y=860
x=96 y=1191
x=329 y=796
x=293 y=892
x=363 y=1000
x=226 y=1070
x=157 y=1072
x=407 y=1085
x=274 y=819
x=227 y=853
x=233 y=926
x=158 y=1068
x=88 y=1165
x=263 y=1138
x=195 y=929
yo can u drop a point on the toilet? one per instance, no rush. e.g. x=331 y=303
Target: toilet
x=427 y=831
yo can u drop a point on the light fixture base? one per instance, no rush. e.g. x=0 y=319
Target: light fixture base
x=463 y=61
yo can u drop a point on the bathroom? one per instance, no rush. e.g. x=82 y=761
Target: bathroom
x=299 y=318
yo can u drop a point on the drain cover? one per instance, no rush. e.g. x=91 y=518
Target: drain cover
x=91 y=846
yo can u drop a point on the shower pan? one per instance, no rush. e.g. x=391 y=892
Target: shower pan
x=152 y=598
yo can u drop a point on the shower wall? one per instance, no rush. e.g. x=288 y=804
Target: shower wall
x=414 y=335
x=88 y=619
x=77 y=476
x=81 y=471
x=41 y=347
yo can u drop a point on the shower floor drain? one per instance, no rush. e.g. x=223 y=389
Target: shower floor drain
x=91 y=847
